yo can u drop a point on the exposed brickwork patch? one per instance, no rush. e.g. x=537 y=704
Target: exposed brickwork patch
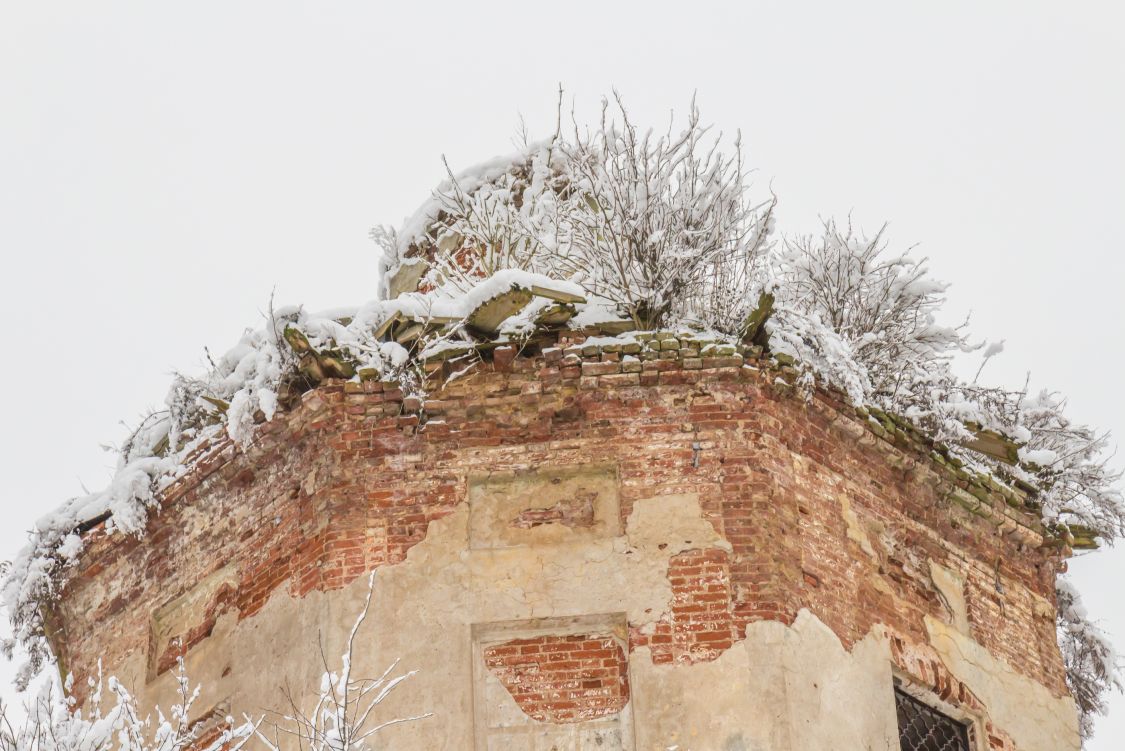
x=563 y=679
x=572 y=512
x=699 y=626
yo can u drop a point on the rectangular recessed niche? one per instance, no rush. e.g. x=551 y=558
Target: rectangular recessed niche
x=552 y=683
x=543 y=506
x=180 y=624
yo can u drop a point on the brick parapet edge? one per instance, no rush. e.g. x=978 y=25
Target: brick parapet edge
x=652 y=360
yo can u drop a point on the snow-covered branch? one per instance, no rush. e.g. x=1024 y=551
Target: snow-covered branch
x=660 y=226
x=343 y=715
x=52 y=722
x=1092 y=664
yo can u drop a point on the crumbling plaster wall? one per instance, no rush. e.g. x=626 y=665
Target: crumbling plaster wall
x=825 y=560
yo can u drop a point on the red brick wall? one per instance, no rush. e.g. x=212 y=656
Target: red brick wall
x=352 y=477
x=559 y=679
x=700 y=626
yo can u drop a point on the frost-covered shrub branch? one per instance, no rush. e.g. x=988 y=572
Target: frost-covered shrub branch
x=658 y=226
x=883 y=306
x=53 y=722
x=243 y=388
x=654 y=216
x=343 y=715
x=866 y=321
x=1092 y=664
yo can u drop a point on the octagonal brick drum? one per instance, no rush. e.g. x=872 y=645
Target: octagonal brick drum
x=577 y=550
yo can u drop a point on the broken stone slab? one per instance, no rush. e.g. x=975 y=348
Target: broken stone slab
x=555 y=315
x=335 y=365
x=409 y=332
x=385 y=327
x=406 y=277
x=613 y=328
x=1081 y=537
x=487 y=317
x=447 y=351
x=297 y=340
x=556 y=294
x=994 y=445
x=309 y=367
x=753 y=328
x=217 y=403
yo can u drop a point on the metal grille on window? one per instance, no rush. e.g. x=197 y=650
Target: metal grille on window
x=923 y=728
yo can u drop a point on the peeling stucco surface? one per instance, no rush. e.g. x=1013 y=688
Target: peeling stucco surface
x=782 y=688
x=434 y=597
x=951 y=588
x=1036 y=720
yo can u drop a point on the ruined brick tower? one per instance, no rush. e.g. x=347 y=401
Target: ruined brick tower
x=594 y=545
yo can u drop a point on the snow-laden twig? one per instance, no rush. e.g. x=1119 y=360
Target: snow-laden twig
x=866 y=321
x=342 y=716
x=1091 y=662
x=228 y=402
x=658 y=225
x=52 y=722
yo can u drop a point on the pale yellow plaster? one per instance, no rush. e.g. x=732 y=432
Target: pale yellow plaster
x=951 y=586
x=783 y=688
x=1034 y=718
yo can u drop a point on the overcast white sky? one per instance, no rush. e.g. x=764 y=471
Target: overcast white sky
x=164 y=167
